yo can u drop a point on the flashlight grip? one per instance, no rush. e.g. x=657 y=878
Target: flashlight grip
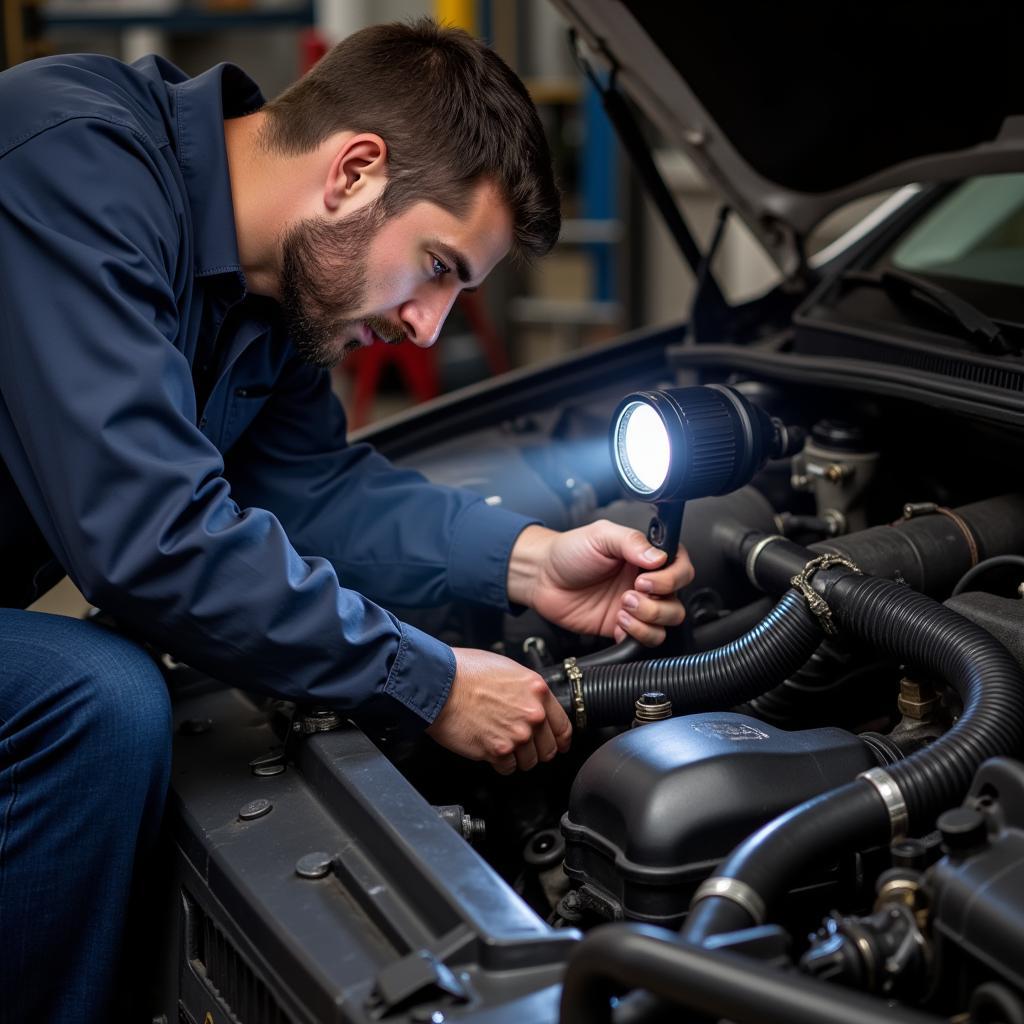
x=665 y=527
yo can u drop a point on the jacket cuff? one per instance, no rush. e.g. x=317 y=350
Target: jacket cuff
x=416 y=688
x=482 y=540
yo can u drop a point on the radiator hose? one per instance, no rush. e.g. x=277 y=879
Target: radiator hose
x=741 y=670
x=716 y=984
x=905 y=798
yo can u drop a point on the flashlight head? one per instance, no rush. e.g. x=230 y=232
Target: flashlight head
x=681 y=443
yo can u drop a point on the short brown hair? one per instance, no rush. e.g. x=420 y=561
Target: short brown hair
x=451 y=111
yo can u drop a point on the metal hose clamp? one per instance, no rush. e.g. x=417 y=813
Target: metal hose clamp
x=913 y=509
x=755 y=552
x=575 y=676
x=885 y=786
x=732 y=889
x=817 y=604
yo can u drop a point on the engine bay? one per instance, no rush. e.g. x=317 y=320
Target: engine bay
x=629 y=825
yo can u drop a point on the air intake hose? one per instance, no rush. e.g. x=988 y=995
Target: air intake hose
x=617 y=956
x=760 y=659
x=906 y=797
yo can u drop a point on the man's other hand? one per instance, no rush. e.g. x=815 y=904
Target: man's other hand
x=500 y=712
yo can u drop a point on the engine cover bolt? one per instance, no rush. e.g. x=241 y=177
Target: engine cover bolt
x=313 y=865
x=255 y=809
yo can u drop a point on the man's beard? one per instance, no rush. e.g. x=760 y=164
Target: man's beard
x=323 y=278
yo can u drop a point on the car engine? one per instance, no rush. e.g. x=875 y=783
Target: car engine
x=697 y=755
x=806 y=805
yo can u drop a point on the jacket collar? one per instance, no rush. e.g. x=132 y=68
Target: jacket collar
x=201 y=106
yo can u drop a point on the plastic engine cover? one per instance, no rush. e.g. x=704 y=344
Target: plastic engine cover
x=653 y=811
x=977 y=889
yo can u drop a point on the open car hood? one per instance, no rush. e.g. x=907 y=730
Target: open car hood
x=792 y=114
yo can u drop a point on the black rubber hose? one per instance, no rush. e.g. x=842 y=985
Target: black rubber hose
x=970 y=578
x=743 y=669
x=708 y=635
x=815 y=832
x=916 y=629
x=929 y=552
x=718 y=632
x=624 y=652
x=936 y=640
x=615 y=957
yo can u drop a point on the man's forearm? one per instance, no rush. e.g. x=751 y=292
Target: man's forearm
x=529 y=553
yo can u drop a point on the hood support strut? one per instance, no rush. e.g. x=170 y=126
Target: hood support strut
x=710 y=311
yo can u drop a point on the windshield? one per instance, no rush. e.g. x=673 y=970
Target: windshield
x=976 y=233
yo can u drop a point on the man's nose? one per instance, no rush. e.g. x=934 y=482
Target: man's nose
x=423 y=317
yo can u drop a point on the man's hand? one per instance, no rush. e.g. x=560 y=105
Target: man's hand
x=601 y=579
x=500 y=712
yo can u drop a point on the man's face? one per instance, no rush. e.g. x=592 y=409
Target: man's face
x=350 y=283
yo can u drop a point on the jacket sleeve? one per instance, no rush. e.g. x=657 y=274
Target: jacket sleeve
x=389 y=533
x=97 y=427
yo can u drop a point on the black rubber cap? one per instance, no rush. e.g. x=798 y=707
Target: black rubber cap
x=963 y=829
x=839 y=435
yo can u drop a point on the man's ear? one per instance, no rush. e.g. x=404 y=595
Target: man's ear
x=359 y=165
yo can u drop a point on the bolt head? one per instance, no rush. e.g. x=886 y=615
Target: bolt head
x=313 y=865
x=255 y=809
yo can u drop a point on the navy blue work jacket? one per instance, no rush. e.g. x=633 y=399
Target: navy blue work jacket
x=162 y=443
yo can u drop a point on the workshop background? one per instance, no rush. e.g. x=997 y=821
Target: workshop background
x=615 y=266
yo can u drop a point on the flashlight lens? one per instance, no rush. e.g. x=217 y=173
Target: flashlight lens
x=642 y=448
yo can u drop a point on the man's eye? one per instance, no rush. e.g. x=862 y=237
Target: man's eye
x=439 y=268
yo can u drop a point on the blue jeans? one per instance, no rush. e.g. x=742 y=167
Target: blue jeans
x=84 y=761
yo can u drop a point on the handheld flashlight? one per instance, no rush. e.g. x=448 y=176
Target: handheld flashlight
x=679 y=443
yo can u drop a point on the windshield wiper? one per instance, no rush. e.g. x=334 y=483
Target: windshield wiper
x=978 y=328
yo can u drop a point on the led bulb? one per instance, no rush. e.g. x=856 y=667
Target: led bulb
x=643 y=451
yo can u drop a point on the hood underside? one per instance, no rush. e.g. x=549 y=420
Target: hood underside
x=792 y=110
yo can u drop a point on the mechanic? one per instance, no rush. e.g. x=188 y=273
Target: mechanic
x=180 y=263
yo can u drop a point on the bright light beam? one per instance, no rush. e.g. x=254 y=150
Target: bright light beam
x=642 y=451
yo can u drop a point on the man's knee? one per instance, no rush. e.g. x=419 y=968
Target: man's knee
x=128 y=704
x=97 y=690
